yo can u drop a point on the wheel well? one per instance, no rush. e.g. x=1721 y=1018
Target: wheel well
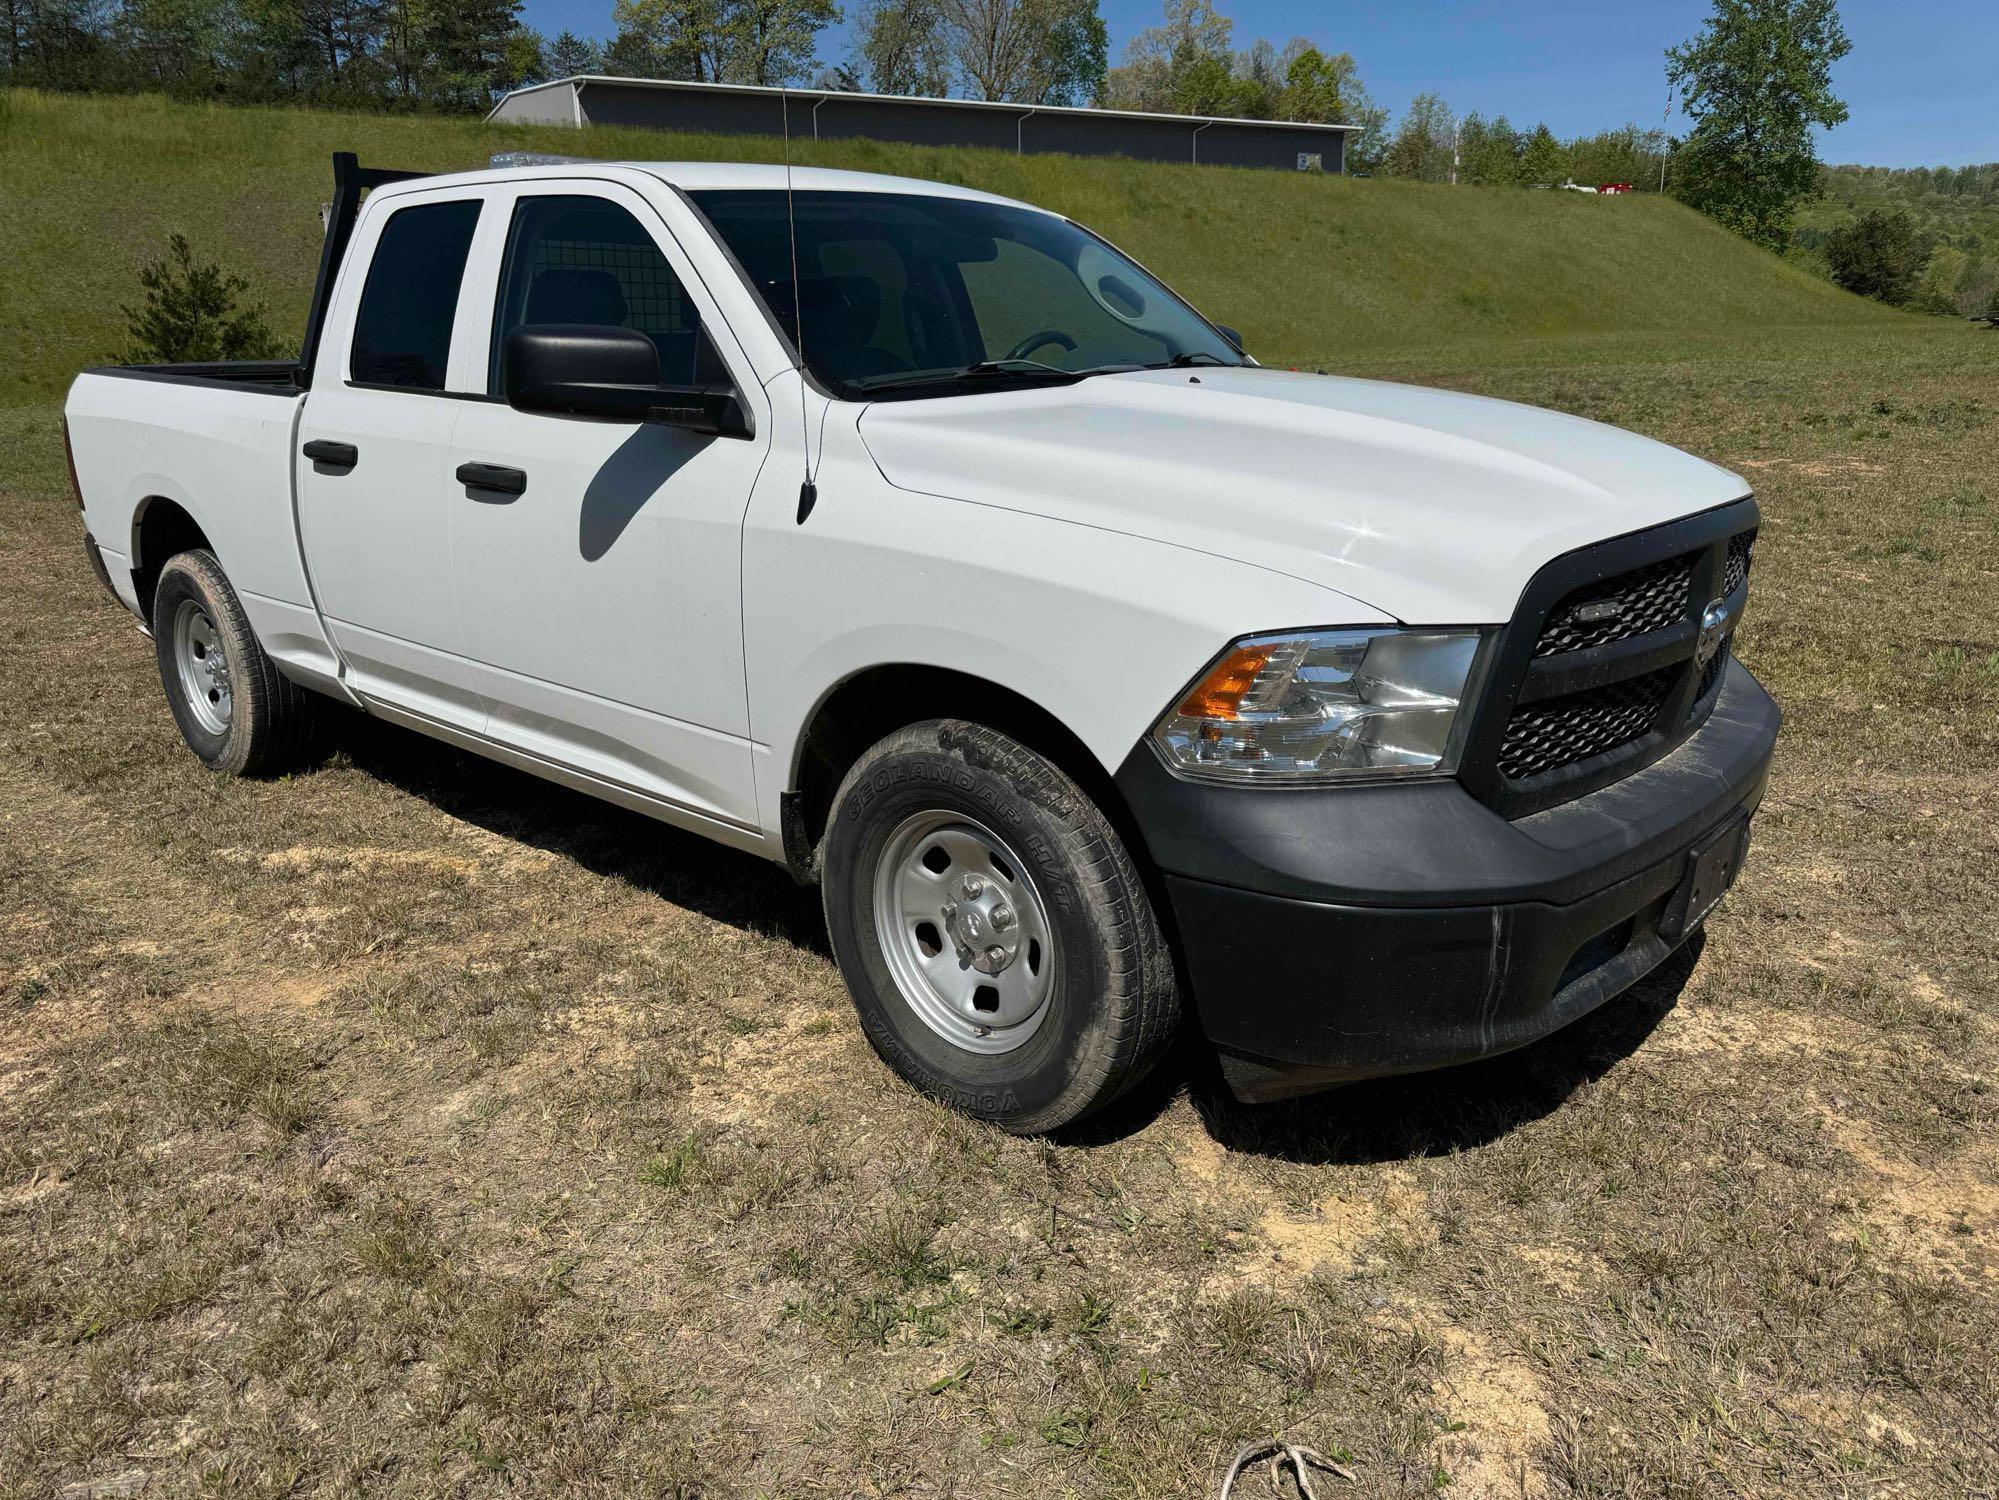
x=163 y=530
x=867 y=708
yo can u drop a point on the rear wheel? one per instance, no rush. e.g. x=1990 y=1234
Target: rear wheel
x=236 y=711
x=1000 y=946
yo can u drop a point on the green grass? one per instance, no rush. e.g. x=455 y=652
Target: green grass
x=1315 y=271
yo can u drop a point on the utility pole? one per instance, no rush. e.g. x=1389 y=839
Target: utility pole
x=1666 y=136
x=1454 y=153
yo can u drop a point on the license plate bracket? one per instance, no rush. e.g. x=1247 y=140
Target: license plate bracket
x=1712 y=866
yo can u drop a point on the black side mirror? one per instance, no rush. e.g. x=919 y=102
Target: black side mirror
x=1232 y=336
x=593 y=370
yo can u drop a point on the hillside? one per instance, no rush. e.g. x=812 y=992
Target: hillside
x=1314 y=270
x=1957 y=207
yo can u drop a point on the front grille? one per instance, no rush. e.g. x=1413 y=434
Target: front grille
x=1599 y=672
x=1634 y=603
x=1740 y=554
x=1711 y=674
x=1557 y=732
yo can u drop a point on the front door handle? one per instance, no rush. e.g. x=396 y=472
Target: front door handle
x=494 y=477
x=334 y=455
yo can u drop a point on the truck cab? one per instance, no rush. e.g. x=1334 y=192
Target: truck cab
x=924 y=543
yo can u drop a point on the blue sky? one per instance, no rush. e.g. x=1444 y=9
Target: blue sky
x=1922 y=81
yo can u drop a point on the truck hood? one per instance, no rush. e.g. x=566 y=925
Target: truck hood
x=1431 y=506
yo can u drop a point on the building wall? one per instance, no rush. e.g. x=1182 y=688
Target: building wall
x=550 y=106
x=842 y=117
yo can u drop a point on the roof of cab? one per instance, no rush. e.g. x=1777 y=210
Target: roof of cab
x=695 y=176
x=703 y=176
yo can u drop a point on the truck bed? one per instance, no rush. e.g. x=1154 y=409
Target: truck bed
x=215 y=443
x=272 y=376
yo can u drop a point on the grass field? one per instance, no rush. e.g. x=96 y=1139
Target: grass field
x=1314 y=268
x=408 y=1127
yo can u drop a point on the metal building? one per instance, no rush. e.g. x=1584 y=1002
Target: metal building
x=824 y=114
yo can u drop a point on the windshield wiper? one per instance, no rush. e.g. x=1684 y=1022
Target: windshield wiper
x=1196 y=357
x=985 y=369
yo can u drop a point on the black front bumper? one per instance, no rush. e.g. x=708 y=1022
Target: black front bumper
x=1346 y=933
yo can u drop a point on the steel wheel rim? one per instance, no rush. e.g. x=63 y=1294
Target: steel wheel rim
x=203 y=667
x=950 y=897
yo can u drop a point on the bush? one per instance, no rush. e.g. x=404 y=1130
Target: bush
x=1936 y=288
x=1878 y=255
x=191 y=317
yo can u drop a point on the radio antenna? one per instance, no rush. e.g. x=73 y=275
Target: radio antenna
x=808 y=492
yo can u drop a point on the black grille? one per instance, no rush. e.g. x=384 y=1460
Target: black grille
x=1711 y=674
x=1740 y=554
x=1576 y=696
x=1645 y=599
x=1545 y=736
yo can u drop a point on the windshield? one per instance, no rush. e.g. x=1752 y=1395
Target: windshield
x=915 y=295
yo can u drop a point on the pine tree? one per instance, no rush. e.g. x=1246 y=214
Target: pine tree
x=191 y=316
x=572 y=56
x=1543 y=162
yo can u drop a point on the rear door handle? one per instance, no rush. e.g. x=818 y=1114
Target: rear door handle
x=494 y=477
x=334 y=455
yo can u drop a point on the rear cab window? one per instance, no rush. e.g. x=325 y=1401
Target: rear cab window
x=402 y=330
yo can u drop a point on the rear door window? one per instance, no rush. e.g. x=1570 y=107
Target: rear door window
x=402 y=333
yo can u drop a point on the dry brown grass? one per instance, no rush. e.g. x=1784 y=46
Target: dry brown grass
x=407 y=1126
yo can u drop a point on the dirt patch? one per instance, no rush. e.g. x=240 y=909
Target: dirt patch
x=43 y=1184
x=1339 y=1231
x=759 y=1078
x=1711 y=1028
x=502 y=858
x=1199 y=1158
x=1941 y=1220
x=1560 y=1266
x=1832 y=467
x=1499 y=1400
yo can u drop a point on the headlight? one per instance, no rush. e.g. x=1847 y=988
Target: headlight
x=1315 y=705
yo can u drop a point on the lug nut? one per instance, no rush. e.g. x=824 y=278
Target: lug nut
x=1002 y=917
x=996 y=956
x=973 y=887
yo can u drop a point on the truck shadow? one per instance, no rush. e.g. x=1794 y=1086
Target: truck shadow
x=1390 y=1119
x=1434 y=1114
x=683 y=868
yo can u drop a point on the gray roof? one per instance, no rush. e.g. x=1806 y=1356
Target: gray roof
x=818 y=95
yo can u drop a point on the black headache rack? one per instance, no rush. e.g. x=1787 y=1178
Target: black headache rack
x=350 y=181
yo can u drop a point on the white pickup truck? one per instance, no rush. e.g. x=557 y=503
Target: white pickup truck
x=921 y=541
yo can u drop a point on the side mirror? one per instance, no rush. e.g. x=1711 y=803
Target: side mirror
x=593 y=370
x=1232 y=336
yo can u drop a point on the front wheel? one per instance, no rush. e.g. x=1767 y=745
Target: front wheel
x=998 y=941
x=236 y=711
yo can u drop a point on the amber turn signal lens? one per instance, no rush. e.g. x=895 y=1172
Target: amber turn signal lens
x=1220 y=693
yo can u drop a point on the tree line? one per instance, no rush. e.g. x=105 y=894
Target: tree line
x=437 y=54
x=461 y=54
x=1925 y=238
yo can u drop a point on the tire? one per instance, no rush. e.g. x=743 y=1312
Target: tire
x=237 y=712
x=1044 y=937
